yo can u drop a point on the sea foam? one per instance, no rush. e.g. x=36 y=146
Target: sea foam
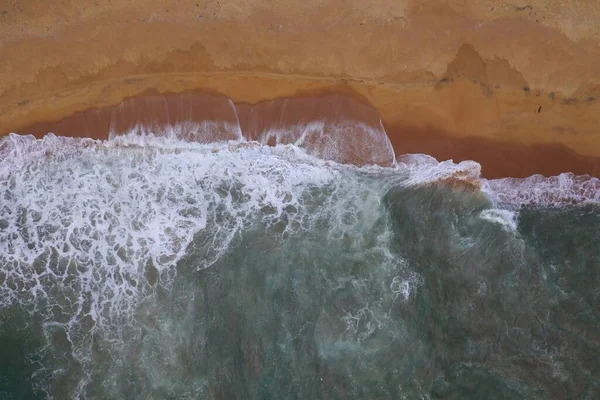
x=539 y=191
x=89 y=229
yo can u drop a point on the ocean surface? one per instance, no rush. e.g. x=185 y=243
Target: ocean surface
x=150 y=267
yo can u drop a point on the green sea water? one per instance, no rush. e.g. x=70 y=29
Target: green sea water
x=266 y=273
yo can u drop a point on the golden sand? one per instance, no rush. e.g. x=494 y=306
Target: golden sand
x=514 y=86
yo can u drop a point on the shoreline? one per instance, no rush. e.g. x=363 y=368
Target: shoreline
x=499 y=159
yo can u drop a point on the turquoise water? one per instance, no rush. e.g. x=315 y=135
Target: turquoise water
x=239 y=271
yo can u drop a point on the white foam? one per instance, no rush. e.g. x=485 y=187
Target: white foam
x=506 y=218
x=84 y=224
x=565 y=189
x=92 y=219
x=88 y=229
x=106 y=211
x=204 y=132
x=424 y=169
x=400 y=287
x=540 y=191
x=18 y=151
x=344 y=141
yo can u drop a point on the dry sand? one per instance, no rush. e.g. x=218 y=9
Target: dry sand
x=512 y=85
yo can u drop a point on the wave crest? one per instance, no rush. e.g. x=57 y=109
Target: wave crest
x=541 y=191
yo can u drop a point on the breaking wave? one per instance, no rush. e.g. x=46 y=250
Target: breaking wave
x=307 y=242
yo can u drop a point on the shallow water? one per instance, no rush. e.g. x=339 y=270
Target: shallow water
x=159 y=269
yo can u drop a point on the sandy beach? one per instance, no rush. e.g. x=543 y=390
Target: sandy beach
x=513 y=86
x=254 y=199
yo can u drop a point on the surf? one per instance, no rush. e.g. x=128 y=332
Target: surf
x=233 y=255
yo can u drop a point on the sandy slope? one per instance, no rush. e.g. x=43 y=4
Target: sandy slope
x=500 y=74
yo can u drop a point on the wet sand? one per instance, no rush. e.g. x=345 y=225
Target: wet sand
x=513 y=86
x=157 y=113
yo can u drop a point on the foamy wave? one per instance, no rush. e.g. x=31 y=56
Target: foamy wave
x=204 y=132
x=424 y=169
x=540 y=191
x=90 y=229
x=103 y=221
x=109 y=216
x=18 y=151
x=346 y=142
x=565 y=189
x=505 y=218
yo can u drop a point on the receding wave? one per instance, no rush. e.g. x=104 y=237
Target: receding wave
x=332 y=127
